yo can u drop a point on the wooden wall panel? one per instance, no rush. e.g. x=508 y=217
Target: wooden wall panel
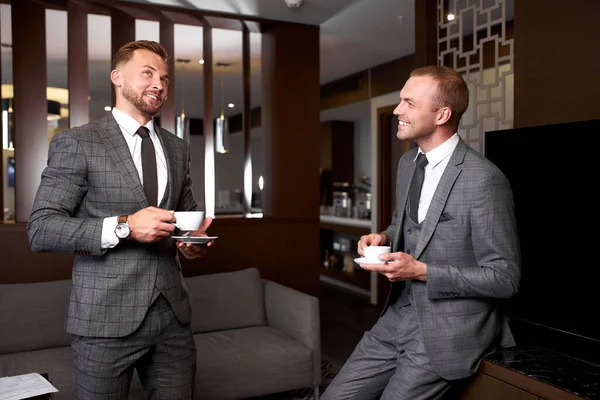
x=122 y=31
x=30 y=105
x=290 y=121
x=20 y=264
x=426 y=51
x=347 y=90
x=77 y=62
x=391 y=76
x=277 y=247
x=167 y=39
x=556 y=66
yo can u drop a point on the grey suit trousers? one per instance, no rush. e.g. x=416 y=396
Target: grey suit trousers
x=162 y=350
x=389 y=362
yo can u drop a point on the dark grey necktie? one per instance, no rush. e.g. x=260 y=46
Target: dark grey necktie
x=415 y=187
x=149 y=166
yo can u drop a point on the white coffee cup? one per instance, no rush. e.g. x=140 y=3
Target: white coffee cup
x=188 y=220
x=372 y=253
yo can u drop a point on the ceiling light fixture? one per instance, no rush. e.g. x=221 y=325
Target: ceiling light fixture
x=450 y=17
x=222 y=124
x=182 y=123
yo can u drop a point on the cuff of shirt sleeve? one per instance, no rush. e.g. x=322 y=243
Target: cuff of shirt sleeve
x=109 y=239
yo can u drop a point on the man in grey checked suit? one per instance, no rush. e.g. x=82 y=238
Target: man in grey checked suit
x=128 y=308
x=450 y=270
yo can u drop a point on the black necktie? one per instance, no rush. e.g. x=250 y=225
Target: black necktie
x=149 y=166
x=415 y=187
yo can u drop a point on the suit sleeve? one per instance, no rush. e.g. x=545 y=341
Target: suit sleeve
x=52 y=224
x=495 y=246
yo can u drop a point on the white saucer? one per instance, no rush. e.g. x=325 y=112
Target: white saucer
x=363 y=260
x=194 y=239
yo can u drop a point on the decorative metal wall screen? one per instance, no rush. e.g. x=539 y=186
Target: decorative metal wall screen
x=478 y=44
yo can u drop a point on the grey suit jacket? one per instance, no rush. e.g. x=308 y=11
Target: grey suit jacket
x=90 y=176
x=470 y=245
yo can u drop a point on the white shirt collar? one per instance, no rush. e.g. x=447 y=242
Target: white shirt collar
x=129 y=124
x=442 y=151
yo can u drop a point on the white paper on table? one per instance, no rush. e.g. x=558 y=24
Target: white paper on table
x=24 y=386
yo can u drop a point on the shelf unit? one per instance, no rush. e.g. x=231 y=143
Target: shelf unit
x=339 y=237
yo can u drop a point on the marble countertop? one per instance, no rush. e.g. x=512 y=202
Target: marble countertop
x=577 y=377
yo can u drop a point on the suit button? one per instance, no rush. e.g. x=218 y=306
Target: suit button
x=408 y=251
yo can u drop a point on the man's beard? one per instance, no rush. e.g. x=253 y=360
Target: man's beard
x=130 y=95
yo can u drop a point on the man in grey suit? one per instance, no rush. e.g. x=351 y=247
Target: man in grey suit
x=452 y=264
x=128 y=309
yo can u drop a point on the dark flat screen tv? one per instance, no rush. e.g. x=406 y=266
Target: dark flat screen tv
x=553 y=171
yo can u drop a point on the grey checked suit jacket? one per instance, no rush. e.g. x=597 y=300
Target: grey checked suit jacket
x=470 y=245
x=90 y=176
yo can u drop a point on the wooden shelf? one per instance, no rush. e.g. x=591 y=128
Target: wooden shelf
x=348 y=225
x=350 y=229
x=359 y=278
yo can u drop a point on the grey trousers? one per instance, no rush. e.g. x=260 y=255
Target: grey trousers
x=389 y=362
x=162 y=350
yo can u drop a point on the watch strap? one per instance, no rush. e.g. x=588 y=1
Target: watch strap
x=121 y=219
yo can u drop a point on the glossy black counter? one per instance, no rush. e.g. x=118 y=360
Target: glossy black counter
x=572 y=375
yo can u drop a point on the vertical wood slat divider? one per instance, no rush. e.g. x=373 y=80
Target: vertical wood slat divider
x=167 y=39
x=426 y=51
x=208 y=130
x=122 y=30
x=246 y=123
x=29 y=104
x=78 y=65
x=290 y=124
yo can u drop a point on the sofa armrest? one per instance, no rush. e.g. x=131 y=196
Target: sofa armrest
x=297 y=315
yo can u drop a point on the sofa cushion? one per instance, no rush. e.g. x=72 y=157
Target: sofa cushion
x=227 y=300
x=34 y=315
x=253 y=361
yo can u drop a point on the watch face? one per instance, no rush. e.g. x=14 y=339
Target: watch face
x=122 y=231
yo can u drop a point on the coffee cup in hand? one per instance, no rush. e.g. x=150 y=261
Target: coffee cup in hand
x=372 y=253
x=188 y=220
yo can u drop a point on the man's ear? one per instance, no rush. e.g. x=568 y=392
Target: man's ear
x=115 y=77
x=444 y=115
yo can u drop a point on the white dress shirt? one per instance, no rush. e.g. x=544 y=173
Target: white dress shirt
x=129 y=127
x=437 y=161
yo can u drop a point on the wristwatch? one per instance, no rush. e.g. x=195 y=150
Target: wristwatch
x=123 y=230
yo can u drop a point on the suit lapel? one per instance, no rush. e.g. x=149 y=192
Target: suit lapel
x=440 y=197
x=118 y=151
x=404 y=175
x=170 y=160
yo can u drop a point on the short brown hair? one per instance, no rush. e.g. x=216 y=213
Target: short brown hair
x=125 y=53
x=452 y=89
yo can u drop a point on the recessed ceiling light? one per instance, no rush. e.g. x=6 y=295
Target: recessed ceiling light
x=201 y=62
x=230 y=105
x=107 y=108
x=450 y=17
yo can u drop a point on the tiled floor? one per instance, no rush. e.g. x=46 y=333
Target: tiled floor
x=344 y=319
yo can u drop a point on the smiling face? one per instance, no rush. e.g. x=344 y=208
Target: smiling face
x=141 y=85
x=418 y=114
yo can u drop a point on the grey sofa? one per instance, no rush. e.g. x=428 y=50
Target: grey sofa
x=253 y=336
